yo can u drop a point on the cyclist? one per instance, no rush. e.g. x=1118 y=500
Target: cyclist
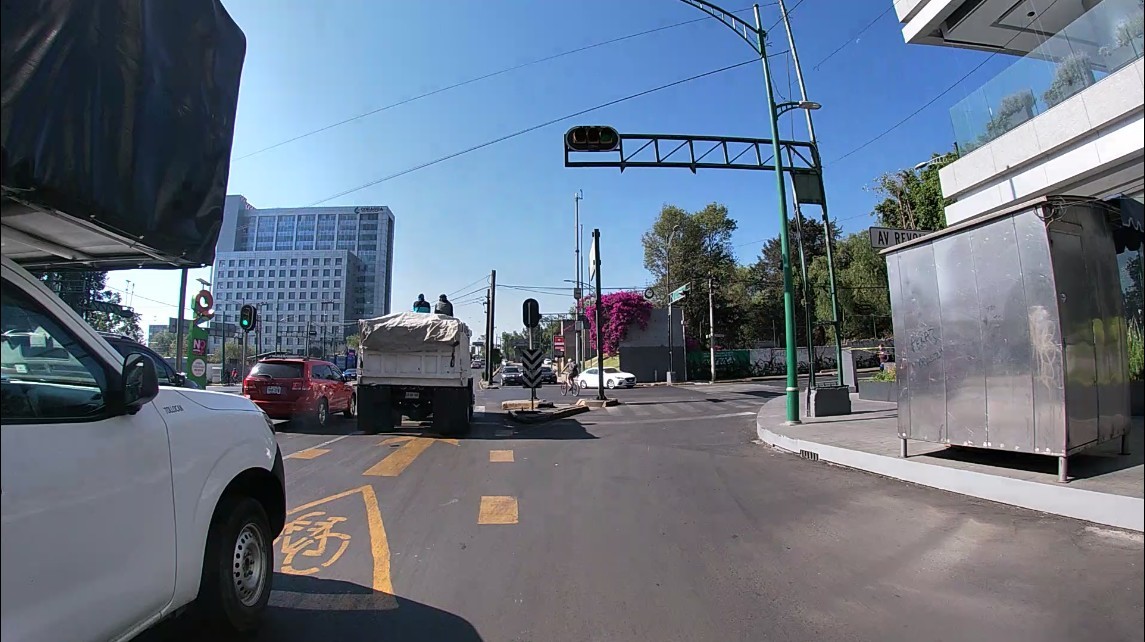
x=571 y=372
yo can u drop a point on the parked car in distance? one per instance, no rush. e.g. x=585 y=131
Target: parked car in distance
x=298 y=387
x=125 y=345
x=350 y=374
x=512 y=376
x=613 y=378
x=548 y=375
x=477 y=364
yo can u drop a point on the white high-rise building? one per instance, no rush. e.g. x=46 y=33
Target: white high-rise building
x=310 y=270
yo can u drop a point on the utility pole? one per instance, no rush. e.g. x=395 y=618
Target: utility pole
x=668 y=286
x=492 y=325
x=577 y=272
x=712 y=327
x=180 y=336
x=307 y=340
x=832 y=288
x=223 y=345
x=599 y=316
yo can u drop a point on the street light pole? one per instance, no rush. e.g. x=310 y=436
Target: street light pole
x=818 y=163
x=792 y=388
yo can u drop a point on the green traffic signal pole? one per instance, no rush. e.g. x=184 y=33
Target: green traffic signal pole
x=792 y=390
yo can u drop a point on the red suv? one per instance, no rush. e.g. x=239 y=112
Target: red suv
x=286 y=388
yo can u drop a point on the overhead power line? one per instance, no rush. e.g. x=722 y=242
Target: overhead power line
x=532 y=128
x=476 y=79
x=851 y=39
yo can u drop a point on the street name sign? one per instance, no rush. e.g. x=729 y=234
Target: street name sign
x=678 y=293
x=884 y=237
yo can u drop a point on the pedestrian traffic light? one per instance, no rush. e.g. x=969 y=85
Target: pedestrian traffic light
x=592 y=138
x=248 y=317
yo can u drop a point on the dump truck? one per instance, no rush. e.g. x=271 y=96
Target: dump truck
x=414 y=365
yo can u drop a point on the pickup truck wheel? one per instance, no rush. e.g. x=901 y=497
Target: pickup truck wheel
x=351 y=409
x=237 y=566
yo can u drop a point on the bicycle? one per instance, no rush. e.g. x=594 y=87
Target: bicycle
x=570 y=387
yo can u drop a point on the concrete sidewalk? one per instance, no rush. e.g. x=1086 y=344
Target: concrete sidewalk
x=1106 y=488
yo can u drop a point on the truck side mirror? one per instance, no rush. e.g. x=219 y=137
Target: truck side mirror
x=140 y=382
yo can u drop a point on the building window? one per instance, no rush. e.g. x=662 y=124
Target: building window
x=338 y=261
x=259 y=285
x=314 y=284
x=290 y=295
x=250 y=285
x=293 y=273
x=337 y=283
x=326 y=284
x=306 y=261
x=337 y=295
x=294 y=261
x=293 y=284
x=282 y=272
x=282 y=284
x=261 y=262
x=325 y=261
x=262 y=272
x=326 y=272
x=289 y=306
x=281 y=295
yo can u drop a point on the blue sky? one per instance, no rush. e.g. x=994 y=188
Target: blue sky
x=509 y=206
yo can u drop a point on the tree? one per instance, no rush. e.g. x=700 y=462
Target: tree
x=765 y=278
x=353 y=341
x=163 y=343
x=79 y=289
x=700 y=248
x=861 y=279
x=912 y=199
x=619 y=312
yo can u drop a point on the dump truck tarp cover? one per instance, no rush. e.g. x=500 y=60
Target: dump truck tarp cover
x=410 y=332
x=122 y=113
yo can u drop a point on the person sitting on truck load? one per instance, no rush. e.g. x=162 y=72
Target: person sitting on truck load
x=421 y=305
x=443 y=306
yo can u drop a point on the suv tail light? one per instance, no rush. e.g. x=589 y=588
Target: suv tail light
x=300 y=385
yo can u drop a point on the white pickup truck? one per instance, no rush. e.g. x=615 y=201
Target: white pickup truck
x=415 y=365
x=123 y=501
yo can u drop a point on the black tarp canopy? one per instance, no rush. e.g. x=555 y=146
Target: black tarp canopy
x=117 y=123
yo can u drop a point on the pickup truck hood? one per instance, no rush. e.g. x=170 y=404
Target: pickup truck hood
x=210 y=399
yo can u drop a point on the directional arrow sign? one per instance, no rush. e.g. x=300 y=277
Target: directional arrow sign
x=678 y=293
x=531 y=360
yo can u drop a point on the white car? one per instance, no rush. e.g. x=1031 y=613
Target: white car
x=123 y=501
x=613 y=378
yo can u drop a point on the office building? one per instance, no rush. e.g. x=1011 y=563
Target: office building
x=311 y=271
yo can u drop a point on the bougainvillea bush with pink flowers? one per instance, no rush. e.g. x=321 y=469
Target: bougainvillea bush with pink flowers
x=620 y=310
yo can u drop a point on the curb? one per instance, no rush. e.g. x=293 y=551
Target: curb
x=544 y=417
x=1100 y=508
x=525 y=404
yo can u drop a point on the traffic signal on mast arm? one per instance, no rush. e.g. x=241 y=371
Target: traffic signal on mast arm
x=592 y=138
x=248 y=317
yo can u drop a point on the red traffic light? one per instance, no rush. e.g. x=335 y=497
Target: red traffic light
x=592 y=138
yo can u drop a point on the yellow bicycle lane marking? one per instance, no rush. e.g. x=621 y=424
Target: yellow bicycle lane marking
x=310 y=535
x=397 y=461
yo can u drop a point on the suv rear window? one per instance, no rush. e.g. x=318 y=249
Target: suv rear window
x=512 y=369
x=277 y=370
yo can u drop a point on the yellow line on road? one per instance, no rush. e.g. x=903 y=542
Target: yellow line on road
x=499 y=456
x=398 y=460
x=497 y=509
x=309 y=453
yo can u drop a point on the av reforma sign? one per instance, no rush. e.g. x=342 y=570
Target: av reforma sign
x=884 y=237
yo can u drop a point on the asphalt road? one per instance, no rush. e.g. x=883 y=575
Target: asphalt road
x=661 y=519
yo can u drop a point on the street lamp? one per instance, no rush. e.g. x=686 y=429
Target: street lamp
x=668 y=286
x=742 y=28
x=809 y=105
